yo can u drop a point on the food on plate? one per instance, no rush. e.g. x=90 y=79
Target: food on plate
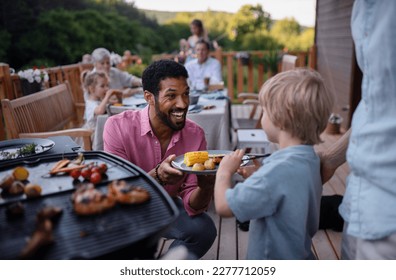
x=25 y=150
x=89 y=201
x=20 y=173
x=198 y=167
x=127 y=194
x=16 y=188
x=209 y=164
x=15 y=210
x=216 y=157
x=7 y=181
x=32 y=190
x=42 y=236
x=191 y=158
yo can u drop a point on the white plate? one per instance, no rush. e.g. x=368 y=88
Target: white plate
x=178 y=163
x=12 y=147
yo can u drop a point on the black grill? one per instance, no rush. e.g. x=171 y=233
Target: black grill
x=125 y=231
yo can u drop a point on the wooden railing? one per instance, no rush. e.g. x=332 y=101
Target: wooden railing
x=238 y=76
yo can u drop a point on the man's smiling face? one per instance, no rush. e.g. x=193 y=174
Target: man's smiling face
x=172 y=103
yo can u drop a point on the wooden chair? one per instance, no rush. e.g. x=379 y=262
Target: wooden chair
x=47 y=113
x=289 y=62
x=253 y=121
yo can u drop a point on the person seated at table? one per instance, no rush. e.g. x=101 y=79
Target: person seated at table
x=151 y=138
x=187 y=47
x=203 y=67
x=96 y=84
x=121 y=80
x=282 y=198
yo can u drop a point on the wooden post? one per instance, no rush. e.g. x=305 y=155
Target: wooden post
x=230 y=76
x=312 y=57
x=240 y=76
x=6 y=90
x=250 y=76
x=5 y=76
x=301 y=58
x=260 y=72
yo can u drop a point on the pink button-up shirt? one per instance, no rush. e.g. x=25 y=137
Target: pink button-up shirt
x=129 y=135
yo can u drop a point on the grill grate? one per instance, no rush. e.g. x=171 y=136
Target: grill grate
x=92 y=236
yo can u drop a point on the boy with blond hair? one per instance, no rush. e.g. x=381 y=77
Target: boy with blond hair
x=282 y=198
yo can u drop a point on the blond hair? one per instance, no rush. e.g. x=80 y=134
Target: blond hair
x=91 y=79
x=298 y=102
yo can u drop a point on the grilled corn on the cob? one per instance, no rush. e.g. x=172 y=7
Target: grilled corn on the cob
x=195 y=157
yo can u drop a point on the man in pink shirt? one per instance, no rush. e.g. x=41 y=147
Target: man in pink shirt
x=153 y=137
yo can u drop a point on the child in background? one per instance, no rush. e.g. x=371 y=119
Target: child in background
x=96 y=84
x=281 y=198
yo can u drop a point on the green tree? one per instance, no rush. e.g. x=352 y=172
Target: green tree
x=306 y=39
x=286 y=32
x=259 y=40
x=248 y=19
x=5 y=39
x=63 y=36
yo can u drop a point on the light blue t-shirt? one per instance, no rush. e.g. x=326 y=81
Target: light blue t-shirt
x=282 y=200
x=369 y=204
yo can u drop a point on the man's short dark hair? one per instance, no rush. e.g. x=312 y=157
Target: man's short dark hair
x=161 y=70
x=203 y=41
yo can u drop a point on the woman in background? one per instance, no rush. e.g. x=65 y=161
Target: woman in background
x=187 y=47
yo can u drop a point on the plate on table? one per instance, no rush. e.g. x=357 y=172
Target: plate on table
x=21 y=148
x=178 y=163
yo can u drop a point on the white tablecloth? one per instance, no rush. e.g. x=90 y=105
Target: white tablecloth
x=215 y=122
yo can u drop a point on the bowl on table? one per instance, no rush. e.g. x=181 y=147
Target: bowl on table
x=194 y=98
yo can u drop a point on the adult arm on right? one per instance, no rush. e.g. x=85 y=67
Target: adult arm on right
x=333 y=157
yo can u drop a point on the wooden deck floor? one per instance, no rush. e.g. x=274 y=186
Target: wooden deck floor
x=231 y=242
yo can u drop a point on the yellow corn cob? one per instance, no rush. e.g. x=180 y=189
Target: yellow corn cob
x=193 y=157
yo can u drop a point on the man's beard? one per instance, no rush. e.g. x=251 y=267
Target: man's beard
x=166 y=118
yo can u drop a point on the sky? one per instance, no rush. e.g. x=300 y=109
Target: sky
x=302 y=10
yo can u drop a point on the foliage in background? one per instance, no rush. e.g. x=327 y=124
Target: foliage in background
x=5 y=39
x=57 y=32
x=249 y=19
x=136 y=69
x=271 y=61
x=288 y=32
